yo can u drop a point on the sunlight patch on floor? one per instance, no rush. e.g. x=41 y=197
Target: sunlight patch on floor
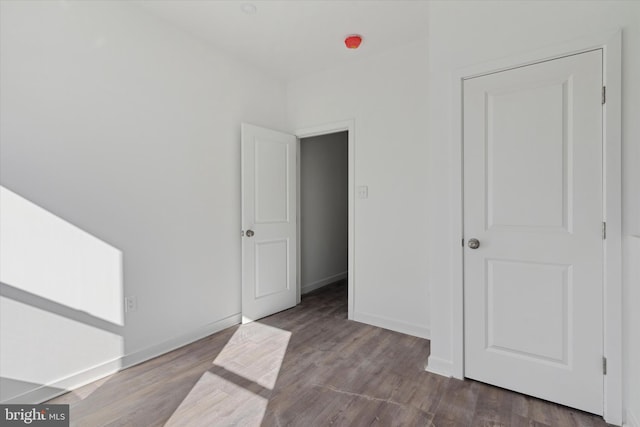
x=255 y=352
x=216 y=401
x=236 y=390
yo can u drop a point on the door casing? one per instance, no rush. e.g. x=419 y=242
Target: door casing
x=324 y=129
x=611 y=44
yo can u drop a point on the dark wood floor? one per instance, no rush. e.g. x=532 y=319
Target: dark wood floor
x=307 y=366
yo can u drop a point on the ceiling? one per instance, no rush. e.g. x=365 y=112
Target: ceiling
x=292 y=38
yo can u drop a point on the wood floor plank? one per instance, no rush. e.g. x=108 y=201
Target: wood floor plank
x=493 y=407
x=308 y=366
x=424 y=395
x=457 y=405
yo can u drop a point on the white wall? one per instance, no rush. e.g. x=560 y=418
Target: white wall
x=631 y=329
x=386 y=95
x=129 y=130
x=464 y=33
x=324 y=178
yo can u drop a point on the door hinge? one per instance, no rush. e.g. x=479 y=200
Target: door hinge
x=604 y=95
x=463 y=242
x=604 y=230
x=604 y=366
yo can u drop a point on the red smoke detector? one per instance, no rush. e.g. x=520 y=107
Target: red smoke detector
x=353 y=41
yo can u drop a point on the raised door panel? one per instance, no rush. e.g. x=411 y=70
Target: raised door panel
x=272 y=267
x=527 y=136
x=272 y=192
x=528 y=311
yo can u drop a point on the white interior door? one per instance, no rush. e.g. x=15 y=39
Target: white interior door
x=533 y=200
x=269 y=222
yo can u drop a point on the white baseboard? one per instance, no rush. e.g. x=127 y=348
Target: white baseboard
x=172 y=344
x=632 y=420
x=56 y=388
x=391 y=324
x=59 y=387
x=439 y=366
x=305 y=289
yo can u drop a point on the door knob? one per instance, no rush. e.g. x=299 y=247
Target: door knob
x=250 y=233
x=474 y=243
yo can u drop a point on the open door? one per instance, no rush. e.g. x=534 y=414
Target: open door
x=269 y=220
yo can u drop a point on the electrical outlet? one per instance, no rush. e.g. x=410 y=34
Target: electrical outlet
x=363 y=192
x=130 y=304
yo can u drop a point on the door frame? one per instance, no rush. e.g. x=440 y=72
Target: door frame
x=324 y=129
x=611 y=45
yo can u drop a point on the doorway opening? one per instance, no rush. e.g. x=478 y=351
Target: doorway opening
x=323 y=213
x=346 y=130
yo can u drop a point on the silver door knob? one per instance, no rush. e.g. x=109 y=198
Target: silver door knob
x=250 y=233
x=474 y=243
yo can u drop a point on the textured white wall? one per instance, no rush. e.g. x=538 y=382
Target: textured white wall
x=464 y=33
x=324 y=178
x=386 y=95
x=129 y=130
